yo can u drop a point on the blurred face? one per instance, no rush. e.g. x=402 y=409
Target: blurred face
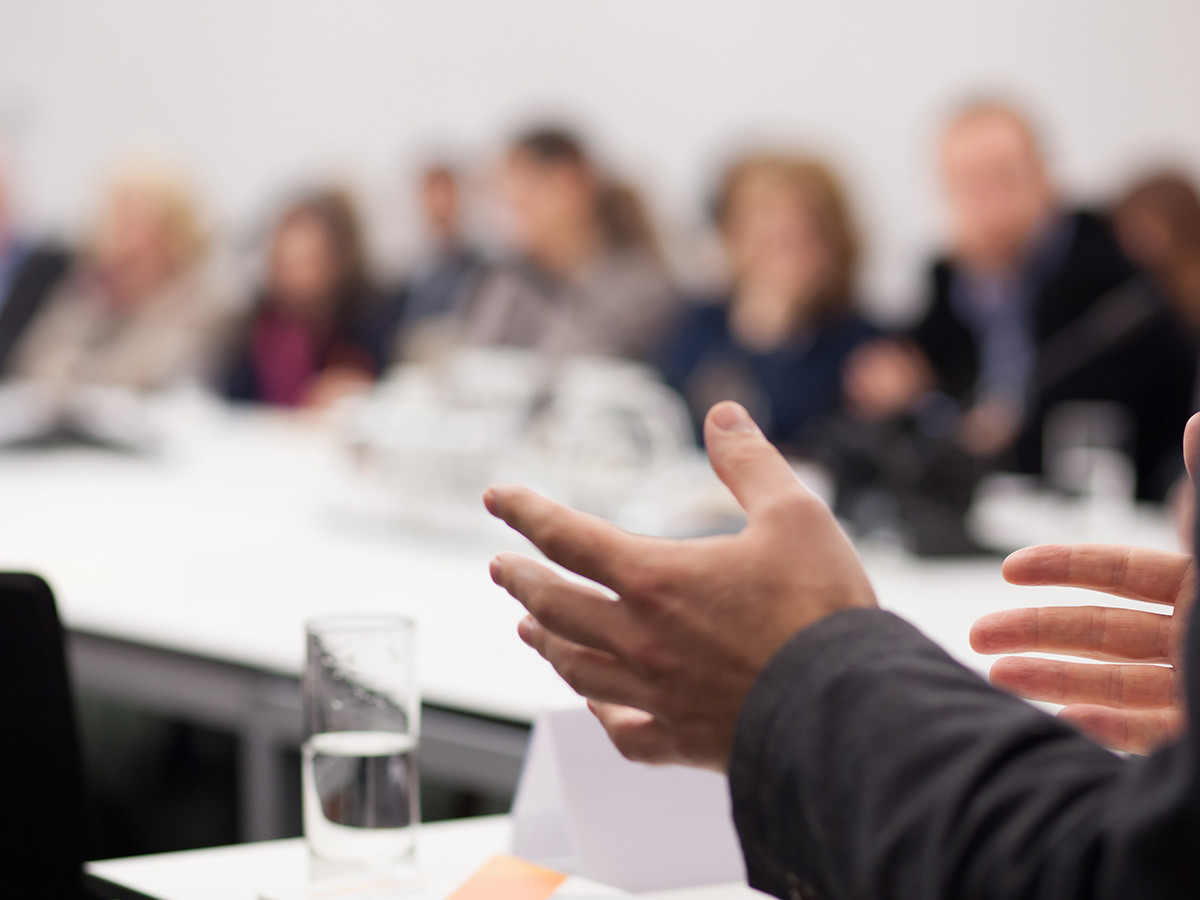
x=135 y=236
x=997 y=187
x=439 y=202
x=548 y=203
x=775 y=241
x=303 y=267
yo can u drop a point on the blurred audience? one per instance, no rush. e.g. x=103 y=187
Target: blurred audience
x=141 y=309
x=1035 y=305
x=777 y=338
x=418 y=320
x=304 y=343
x=29 y=272
x=590 y=279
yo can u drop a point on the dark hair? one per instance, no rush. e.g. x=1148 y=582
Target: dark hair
x=552 y=145
x=1171 y=197
x=334 y=211
x=620 y=210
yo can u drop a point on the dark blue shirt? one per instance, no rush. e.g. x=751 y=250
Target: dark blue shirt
x=787 y=389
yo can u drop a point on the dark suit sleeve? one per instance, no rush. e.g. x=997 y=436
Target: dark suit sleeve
x=869 y=764
x=33 y=286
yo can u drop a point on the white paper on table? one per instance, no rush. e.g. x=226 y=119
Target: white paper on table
x=581 y=807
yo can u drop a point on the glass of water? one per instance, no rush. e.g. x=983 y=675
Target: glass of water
x=362 y=713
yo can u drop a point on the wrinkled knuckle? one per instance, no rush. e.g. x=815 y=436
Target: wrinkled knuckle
x=646 y=582
x=549 y=539
x=538 y=600
x=647 y=655
x=744 y=451
x=568 y=668
x=795 y=507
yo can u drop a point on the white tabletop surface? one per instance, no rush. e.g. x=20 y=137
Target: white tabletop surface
x=227 y=542
x=448 y=853
x=247 y=524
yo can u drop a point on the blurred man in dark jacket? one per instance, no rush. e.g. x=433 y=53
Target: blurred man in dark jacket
x=1034 y=306
x=420 y=317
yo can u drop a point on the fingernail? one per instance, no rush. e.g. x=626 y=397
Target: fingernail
x=732 y=417
x=489 y=500
x=525 y=629
x=494 y=569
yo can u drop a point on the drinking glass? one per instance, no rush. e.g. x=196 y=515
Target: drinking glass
x=362 y=713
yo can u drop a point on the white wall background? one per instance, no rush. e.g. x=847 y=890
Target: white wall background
x=255 y=95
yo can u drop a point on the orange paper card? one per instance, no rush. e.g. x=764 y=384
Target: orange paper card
x=509 y=878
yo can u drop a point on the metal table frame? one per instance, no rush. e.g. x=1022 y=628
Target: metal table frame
x=262 y=710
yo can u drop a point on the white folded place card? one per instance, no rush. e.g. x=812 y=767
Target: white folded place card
x=581 y=807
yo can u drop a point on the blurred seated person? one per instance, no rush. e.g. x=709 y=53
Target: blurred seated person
x=777 y=338
x=140 y=311
x=29 y=272
x=1158 y=223
x=589 y=279
x=1035 y=305
x=419 y=318
x=304 y=344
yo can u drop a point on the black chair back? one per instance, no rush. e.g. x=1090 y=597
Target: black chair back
x=42 y=813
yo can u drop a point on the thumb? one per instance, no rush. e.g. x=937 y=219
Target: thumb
x=744 y=459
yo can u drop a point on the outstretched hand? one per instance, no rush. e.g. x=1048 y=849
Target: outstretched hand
x=1137 y=702
x=668 y=657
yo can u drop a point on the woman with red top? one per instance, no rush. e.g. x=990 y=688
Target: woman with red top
x=302 y=345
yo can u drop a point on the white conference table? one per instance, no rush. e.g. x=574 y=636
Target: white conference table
x=448 y=853
x=185 y=579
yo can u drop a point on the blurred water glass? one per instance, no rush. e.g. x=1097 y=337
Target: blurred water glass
x=362 y=711
x=1087 y=448
x=609 y=426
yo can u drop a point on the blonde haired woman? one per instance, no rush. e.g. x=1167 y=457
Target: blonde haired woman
x=140 y=310
x=776 y=339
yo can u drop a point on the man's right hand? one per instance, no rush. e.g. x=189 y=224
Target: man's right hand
x=669 y=656
x=886 y=378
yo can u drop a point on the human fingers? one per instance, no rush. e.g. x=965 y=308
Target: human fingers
x=1136 y=573
x=1133 y=731
x=636 y=734
x=577 y=612
x=751 y=467
x=1095 y=632
x=1056 y=681
x=590 y=673
x=584 y=544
